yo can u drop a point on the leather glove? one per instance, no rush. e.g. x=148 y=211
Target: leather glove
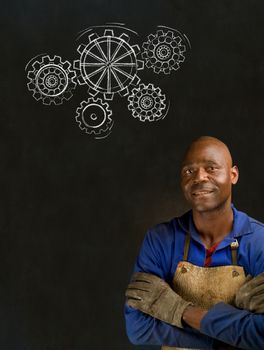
x=153 y=296
x=250 y=296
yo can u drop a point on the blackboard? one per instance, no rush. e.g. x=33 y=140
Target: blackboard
x=74 y=209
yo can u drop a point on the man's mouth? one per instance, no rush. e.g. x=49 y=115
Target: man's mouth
x=202 y=193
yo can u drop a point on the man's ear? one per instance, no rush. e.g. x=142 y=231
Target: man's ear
x=234 y=174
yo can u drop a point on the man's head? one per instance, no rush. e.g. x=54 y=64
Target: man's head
x=207 y=174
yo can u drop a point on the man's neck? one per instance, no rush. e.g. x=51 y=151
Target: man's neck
x=213 y=226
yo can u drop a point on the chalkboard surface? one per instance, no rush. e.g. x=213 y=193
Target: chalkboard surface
x=74 y=209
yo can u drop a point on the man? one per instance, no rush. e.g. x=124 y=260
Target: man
x=189 y=288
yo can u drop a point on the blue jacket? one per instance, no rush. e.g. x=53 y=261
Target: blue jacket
x=161 y=251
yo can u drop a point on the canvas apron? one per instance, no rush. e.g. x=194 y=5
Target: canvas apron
x=207 y=286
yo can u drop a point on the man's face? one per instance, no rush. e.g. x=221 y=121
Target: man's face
x=207 y=176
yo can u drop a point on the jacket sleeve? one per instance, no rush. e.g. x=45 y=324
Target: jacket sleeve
x=233 y=326
x=155 y=257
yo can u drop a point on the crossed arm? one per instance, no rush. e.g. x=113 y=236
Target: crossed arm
x=235 y=326
x=153 y=296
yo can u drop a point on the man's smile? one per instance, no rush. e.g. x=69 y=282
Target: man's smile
x=202 y=193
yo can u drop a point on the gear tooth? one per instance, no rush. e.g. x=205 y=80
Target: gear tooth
x=56 y=60
x=176 y=66
x=89 y=132
x=77 y=116
x=37 y=95
x=82 y=127
x=182 y=48
x=140 y=64
x=36 y=65
x=66 y=65
x=136 y=48
x=108 y=96
x=135 y=80
x=144 y=55
x=31 y=75
x=178 y=39
x=181 y=58
x=96 y=100
x=68 y=95
x=92 y=37
x=148 y=64
x=130 y=107
x=160 y=32
x=92 y=91
x=151 y=37
x=169 y=33
x=71 y=75
x=76 y=64
x=81 y=81
x=108 y=32
x=124 y=92
x=46 y=59
x=81 y=48
x=58 y=101
x=157 y=70
x=125 y=37
x=145 y=45
x=83 y=104
x=167 y=71
x=73 y=84
x=31 y=86
x=47 y=101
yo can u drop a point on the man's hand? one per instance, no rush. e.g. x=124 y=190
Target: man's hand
x=251 y=295
x=153 y=296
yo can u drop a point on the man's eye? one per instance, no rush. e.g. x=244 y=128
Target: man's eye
x=211 y=168
x=188 y=171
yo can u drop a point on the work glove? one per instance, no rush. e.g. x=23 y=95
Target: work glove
x=153 y=296
x=250 y=296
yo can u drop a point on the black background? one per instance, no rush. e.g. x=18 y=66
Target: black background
x=74 y=210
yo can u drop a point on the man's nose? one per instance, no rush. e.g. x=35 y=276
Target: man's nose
x=200 y=175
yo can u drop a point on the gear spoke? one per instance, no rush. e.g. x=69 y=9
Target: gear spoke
x=123 y=72
x=89 y=53
x=117 y=79
x=96 y=71
x=124 y=55
x=101 y=50
x=101 y=77
x=120 y=44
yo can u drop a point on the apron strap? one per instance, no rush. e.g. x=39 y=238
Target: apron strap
x=234 y=246
x=186 y=246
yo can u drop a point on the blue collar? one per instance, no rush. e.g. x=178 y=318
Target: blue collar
x=241 y=226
